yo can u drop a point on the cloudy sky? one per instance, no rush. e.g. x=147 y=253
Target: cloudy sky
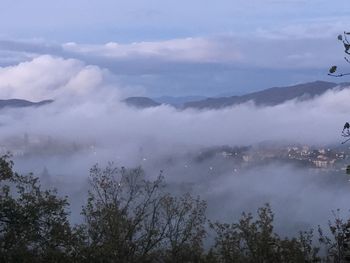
x=89 y=55
x=197 y=47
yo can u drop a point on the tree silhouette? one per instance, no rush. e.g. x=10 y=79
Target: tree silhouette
x=344 y=39
x=128 y=218
x=34 y=225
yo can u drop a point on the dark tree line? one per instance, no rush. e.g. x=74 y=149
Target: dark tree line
x=127 y=218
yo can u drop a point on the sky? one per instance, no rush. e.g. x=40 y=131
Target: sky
x=182 y=48
x=137 y=20
x=89 y=55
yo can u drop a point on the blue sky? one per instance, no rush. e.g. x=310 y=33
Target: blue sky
x=226 y=47
x=137 y=20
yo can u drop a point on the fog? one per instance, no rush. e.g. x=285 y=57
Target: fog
x=88 y=124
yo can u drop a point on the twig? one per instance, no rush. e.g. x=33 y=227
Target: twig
x=345 y=141
x=338 y=75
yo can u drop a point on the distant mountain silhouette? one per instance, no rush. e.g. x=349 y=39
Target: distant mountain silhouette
x=141 y=102
x=18 y=103
x=177 y=101
x=268 y=97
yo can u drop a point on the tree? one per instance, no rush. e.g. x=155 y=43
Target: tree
x=255 y=241
x=128 y=218
x=34 y=224
x=185 y=217
x=337 y=246
x=343 y=38
x=131 y=219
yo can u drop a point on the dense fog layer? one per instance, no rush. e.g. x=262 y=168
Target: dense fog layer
x=88 y=124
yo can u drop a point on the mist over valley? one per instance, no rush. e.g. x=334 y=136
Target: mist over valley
x=174 y=131
x=239 y=157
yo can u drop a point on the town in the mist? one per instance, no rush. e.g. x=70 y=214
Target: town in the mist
x=174 y=131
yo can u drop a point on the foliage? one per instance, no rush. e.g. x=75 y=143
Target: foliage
x=337 y=246
x=344 y=39
x=33 y=223
x=255 y=241
x=128 y=218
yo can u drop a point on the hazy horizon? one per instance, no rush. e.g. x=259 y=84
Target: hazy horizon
x=88 y=57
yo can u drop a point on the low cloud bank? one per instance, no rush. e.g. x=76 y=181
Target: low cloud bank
x=89 y=119
x=88 y=110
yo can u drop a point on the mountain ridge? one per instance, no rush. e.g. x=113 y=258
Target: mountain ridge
x=269 y=97
x=141 y=102
x=20 y=103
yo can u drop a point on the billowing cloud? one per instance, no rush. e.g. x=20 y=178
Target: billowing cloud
x=88 y=124
x=48 y=77
x=71 y=80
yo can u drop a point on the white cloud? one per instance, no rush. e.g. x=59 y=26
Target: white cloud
x=261 y=50
x=48 y=77
x=177 y=50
